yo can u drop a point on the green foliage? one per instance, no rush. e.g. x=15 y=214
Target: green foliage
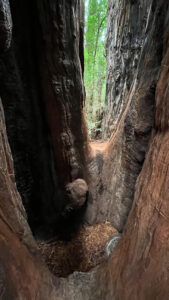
x=95 y=57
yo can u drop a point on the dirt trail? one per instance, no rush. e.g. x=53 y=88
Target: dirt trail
x=98 y=146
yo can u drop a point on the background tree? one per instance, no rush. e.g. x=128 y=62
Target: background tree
x=95 y=58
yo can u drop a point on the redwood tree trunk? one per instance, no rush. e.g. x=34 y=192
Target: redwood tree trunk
x=43 y=96
x=138 y=268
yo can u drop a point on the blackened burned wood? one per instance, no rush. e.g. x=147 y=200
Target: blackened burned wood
x=43 y=96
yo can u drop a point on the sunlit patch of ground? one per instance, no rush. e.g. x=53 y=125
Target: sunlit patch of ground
x=98 y=146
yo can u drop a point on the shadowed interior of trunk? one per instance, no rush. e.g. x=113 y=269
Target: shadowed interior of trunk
x=97 y=212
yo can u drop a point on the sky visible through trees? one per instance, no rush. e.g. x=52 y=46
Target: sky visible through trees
x=95 y=59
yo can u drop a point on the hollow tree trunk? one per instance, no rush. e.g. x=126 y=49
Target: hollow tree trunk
x=42 y=94
x=138 y=268
x=118 y=167
x=128 y=25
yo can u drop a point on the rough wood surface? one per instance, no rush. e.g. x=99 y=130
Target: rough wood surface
x=139 y=266
x=128 y=26
x=114 y=172
x=43 y=97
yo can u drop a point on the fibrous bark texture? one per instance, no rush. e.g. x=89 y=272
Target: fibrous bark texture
x=21 y=270
x=138 y=268
x=42 y=94
x=128 y=25
x=119 y=165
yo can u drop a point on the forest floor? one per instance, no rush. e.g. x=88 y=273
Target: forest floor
x=85 y=250
x=98 y=145
x=82 y=253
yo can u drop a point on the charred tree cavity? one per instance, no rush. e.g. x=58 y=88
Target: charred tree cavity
x=42 y=95
x=41 y=88
x=134 y=55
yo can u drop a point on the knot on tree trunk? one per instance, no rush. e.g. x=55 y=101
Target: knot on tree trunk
x=77 y=193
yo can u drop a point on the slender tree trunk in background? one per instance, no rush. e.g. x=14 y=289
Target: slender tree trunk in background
x=100 y=92
x=97 y=35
